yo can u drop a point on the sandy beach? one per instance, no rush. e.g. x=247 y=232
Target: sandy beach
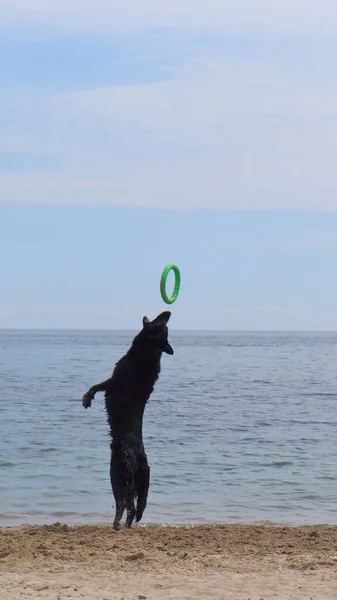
x=238 y=562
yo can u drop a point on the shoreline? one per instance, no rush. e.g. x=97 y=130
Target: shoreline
x=107 y=520
x=184 y=524
x=234 y=561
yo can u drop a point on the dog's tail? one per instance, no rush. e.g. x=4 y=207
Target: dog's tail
x=143 y=482
x=141 y=504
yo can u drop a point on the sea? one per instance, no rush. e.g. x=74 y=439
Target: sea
x=241 y=428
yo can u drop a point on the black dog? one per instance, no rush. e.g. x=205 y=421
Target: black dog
x=126 y=394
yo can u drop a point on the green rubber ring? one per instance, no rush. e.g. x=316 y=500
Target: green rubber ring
x=163 y=280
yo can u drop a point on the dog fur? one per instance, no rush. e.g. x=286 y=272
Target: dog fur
x=126 y=394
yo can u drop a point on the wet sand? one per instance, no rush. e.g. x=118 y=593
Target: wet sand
x=217 y=562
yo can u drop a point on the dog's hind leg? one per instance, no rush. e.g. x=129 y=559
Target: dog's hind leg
x=130 y=508
x=131 y=468
x=120 y=507
x=143 y=483
x=118 y=491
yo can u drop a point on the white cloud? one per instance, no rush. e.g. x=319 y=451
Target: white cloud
x=296 y=16
x=242 y=136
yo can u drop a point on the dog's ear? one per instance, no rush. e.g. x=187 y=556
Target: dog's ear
x=145 y=321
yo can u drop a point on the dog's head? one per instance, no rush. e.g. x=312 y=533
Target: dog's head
x=156 y=332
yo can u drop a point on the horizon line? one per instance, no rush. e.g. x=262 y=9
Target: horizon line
x=172 y=330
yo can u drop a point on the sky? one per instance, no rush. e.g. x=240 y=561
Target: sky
x=142 y=133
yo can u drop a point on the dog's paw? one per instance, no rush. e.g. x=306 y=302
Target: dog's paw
x=86 y=400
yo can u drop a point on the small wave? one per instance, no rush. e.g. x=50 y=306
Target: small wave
x=276 y=463
x=319 y=394
x=4 y=464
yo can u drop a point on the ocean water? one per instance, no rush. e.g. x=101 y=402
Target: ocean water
x=241 y=427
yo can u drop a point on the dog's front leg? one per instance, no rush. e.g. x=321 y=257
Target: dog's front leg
x=89 y=396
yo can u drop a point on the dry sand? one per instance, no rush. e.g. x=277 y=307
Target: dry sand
x=57 y=562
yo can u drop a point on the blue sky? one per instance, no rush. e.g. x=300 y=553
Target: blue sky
x=189 y=132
